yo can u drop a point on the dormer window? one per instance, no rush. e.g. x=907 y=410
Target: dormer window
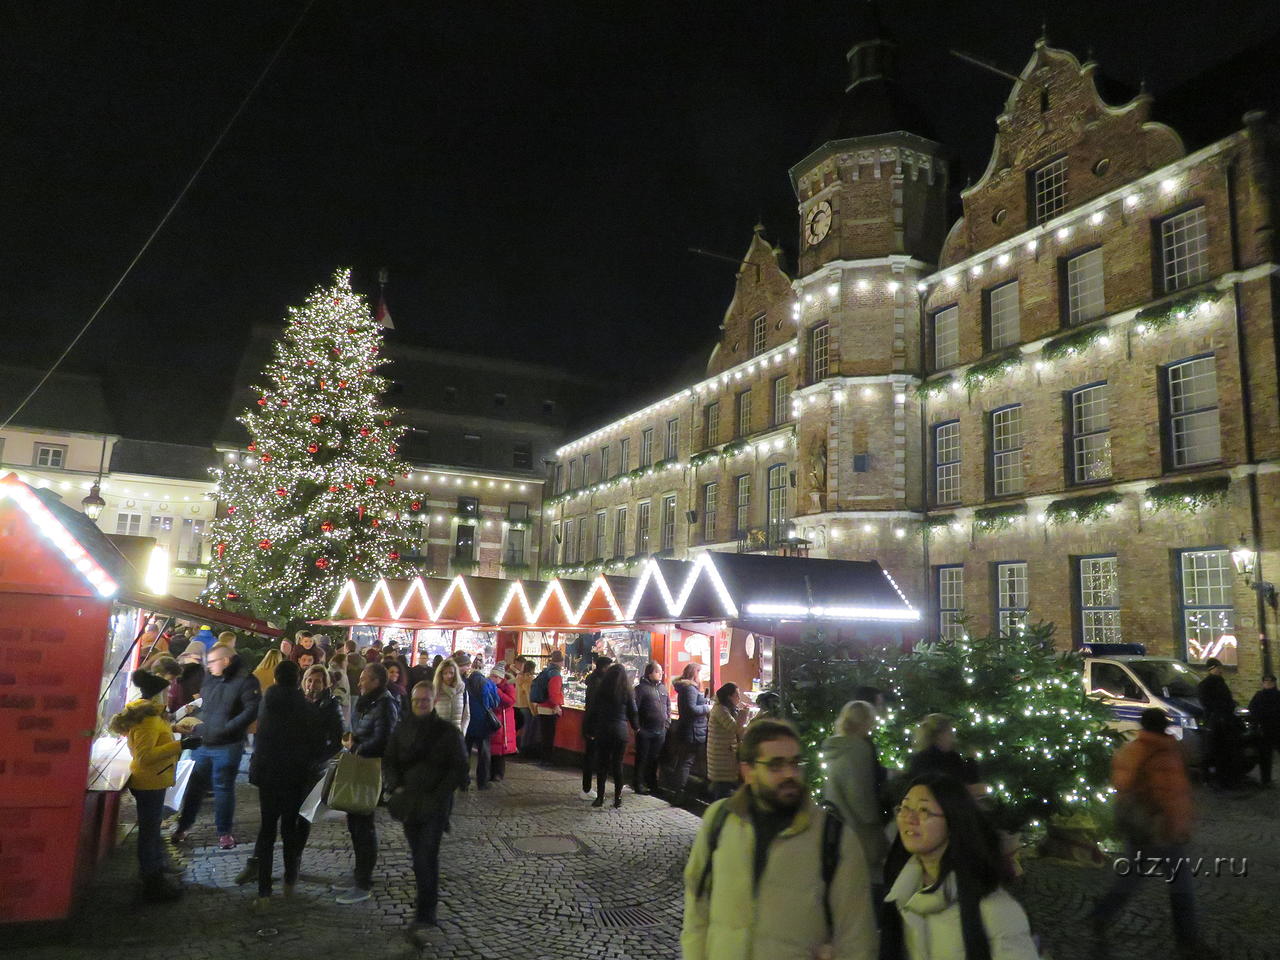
x=1049 y=190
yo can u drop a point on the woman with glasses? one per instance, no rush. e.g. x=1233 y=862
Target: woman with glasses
x=947 y=902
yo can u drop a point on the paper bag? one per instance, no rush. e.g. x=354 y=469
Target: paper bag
x=357 y=784
x=181 y=777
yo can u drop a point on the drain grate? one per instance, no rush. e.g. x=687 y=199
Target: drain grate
x=615 y=918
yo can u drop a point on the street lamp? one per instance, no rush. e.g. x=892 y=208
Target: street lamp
x=1246 y=562
x=93 y=504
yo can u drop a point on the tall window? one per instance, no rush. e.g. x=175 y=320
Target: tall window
x=1011 y=596
x=668 y=535
x=518 y=510
x=160 y=528
x=513 y=552
x=1003 y=318
x=711 y=421
x=573 y=473
x=1098 y=596
x=819 y=352
x=642 y=528
x=741 y=504
x=586 y=469
x=710 y=496
x=781 y=399
x=1085 y=294
x=946 y=337
x=950 y=586
x=1184 y=250
x=464 y=544
x=557 y=542
x=946 y=462
x=1090 y=434
x=744 y=413
x=758 y=329
x=582 y=540
x=624 y=454
x=570 y=544
x=646 y=446
x=602 y=526
x=129 y=524
x=1006 y=451
x=777 y=502
x=50 y=455
x=1193 y=412
x=1208 y=614
x=559 y=478
x=1049 y=189
x=604 y=462
x=673 y=438
x=620 y=532
x=191 y=541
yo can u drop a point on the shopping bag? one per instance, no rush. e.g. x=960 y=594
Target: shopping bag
x=357 y=784
x=173 y=797
x=313 y=807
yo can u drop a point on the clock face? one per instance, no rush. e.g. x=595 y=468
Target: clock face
x=818 y=223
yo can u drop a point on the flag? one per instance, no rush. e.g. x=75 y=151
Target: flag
x=383 y=315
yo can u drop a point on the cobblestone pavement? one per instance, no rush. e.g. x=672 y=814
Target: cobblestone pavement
x=531 y=870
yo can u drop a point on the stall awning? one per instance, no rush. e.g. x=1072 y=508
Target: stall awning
x=191 y=610
x=712 y=587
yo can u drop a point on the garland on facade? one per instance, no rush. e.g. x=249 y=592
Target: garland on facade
x=1187 y=496
x=733 y=448
x=995 y=519
x=1175 y=311
x=517 y=570
x=1082 y=509
x=934 y=389
x=935 y=521
x=1071 y=344
x=463 y=567
x=706 y=456
x=985 y=371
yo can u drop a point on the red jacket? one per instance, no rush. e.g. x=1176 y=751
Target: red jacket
x=503 y=740
x=1151 y=767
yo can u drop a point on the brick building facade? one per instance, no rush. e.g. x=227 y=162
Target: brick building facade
x=1063 y=409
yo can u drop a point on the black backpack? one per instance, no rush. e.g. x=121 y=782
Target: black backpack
x=832 y=826
x=540 y=689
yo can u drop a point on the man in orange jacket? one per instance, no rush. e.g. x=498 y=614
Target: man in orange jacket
x=1150 y=778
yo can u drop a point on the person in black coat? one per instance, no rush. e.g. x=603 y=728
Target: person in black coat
x=426 y=760
x=1264 y=710
x=653 y=716
x=690 y=734
x=936 y=752
x=373 y=719
x=286 y=753
x=615 y=719
x=229 y=705
x=1223 y=753
x=590 y=684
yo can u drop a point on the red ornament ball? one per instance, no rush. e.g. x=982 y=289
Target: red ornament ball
x=351 y=329
x=391 y=482
x=327 y=526
x=264 y=544
x=416 y=505
x=348 y=485
x=322 y=563
x=313 y=448
x=311 y=363
x=232 y=595
x=392 y=449
x=231 y=509
x=266 y=458
x=262 y=401
x=364 y=431
x=386 y=423
x=333 y=488
x=393 y=555
x=284 y=403
x=322 y=383
x=337 y=302
x=337 y=352
x=370 y=481
x=375 y=522
x=342 y=384
x=222 y=548
x=252 y=446
x=316 y=418
x=281 y=492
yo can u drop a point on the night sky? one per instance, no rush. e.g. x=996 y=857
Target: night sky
x=530 y=173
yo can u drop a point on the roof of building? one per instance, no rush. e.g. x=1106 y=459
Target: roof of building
x=67 y=401
x=151 y=458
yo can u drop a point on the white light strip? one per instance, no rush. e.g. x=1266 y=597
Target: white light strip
x=675 y=605
x=832 y=613
x=397 y=610
x=51 y=529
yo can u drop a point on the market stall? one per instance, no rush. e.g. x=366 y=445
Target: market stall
x=69 y=625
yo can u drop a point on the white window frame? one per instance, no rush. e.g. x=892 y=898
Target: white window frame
x=1184 y=249
x=819 y=352
x=620 y=532
x=1089 y=413
x=776 y=502
x=1098 y=597
x=45 y=453
x=741 y=504
x=557 y=543
x=646 y=447
x=949 y=585
x=759 y=333
x=1086 y=287
x=667 y=532
x=1008 y=437
x=1012 y=596
x=602 y=529
x=644 y=510
x=946 y=462
x=581 y=551
x=573 y=474
x=1195 y=433
x=604 y=462
x=128 y=524
x=781 y=399
x=570 y=542
x=744 y=412
x=1004 y=317
x=946 y=337
x=710 y=498
x=624 y=455
x=1049 y=190
x=673 y=438
x=1206 y=585
x=514 y=547
x=711 y=421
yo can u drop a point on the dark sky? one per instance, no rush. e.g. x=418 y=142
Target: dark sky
x=530 y=172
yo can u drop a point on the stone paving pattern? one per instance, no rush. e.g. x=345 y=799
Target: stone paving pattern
x=529 y=867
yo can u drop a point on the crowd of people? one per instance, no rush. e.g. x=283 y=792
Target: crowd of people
x=894 y=867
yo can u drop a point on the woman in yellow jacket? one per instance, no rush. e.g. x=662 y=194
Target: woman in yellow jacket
x=155 y=755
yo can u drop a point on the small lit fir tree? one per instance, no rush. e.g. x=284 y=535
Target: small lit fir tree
x=1019 y=708
x=314 y=499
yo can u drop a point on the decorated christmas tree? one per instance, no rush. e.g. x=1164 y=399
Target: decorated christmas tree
x=318 y=495
x=1018 y=704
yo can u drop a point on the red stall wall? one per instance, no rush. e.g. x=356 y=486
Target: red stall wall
x=50 y=670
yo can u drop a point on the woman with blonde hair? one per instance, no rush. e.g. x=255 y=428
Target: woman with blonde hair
x=451 y=695
x=936 y=751
x=340 y=686
x=852 y=778
x=265 y=671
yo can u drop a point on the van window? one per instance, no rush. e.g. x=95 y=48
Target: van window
x=1112 y=680
x=1159 y=675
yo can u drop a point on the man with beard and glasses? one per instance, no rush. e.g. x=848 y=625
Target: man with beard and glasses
x=772 y=874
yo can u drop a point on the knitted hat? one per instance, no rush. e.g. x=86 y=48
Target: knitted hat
x=499 y=669
x=148 y=684
x=194 y=652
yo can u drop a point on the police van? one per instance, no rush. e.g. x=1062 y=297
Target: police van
x=1123 y=677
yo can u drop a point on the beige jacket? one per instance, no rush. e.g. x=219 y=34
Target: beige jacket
x=723 y=736
x=783 y=918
